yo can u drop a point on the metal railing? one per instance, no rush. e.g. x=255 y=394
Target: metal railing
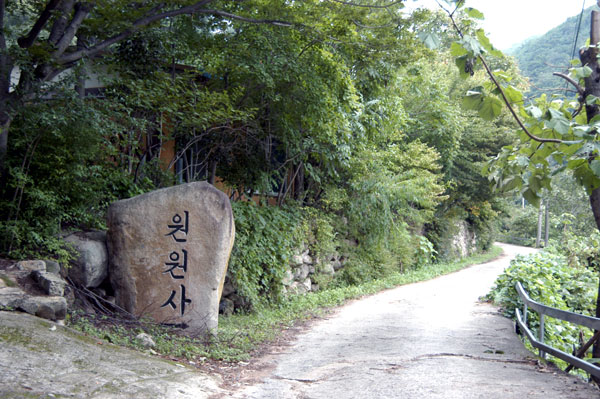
x=543 y=310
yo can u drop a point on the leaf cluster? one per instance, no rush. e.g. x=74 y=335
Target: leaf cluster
x=61 y=175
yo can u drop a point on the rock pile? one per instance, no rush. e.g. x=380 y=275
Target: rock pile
x=44 y=299
x=90 y=268
x=305 y=271
x=40 y=287
x=164 y=256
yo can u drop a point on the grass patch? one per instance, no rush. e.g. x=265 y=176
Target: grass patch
x=240 y=335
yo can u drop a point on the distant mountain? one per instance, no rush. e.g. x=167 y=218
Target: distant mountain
x=540 y=56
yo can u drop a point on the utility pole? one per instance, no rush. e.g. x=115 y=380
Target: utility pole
x=589 y=57
x=546 y=223
x=538 y=237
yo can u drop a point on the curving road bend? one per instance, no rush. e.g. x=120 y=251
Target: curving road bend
x=427 y=340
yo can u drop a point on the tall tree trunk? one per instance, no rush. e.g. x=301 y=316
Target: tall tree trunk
x=299 y=183
x=589 y=57
x=5 y=120
x=212 y=177
x=595 y=204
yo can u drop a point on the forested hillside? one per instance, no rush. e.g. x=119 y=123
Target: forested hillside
x=540 y=56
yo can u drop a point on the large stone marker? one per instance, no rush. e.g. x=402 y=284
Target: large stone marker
x=168 y=253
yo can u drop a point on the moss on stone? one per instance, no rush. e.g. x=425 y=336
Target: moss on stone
x=45 y=323
x=19 y=336
x=7 y=280
x=21 y=395
x=82 y=337
x=14 y=336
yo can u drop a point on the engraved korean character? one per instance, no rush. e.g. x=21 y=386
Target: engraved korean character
x=175 y=263
x=171 y=301
x=179 y=226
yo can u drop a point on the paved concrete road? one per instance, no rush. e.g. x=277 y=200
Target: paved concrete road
x=426 y=340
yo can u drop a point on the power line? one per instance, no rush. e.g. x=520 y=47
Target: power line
x=578 y=29
x=577 y=36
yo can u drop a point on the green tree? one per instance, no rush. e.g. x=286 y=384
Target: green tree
x=340 y=109
x=62 y=33
x=54 y=45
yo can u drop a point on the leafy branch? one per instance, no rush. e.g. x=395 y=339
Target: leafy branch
x=153 y=17
x=572 y=81
x=385 y=6
x=556 y=134
x=478 y=54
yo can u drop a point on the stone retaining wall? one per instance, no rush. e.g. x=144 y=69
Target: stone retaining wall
x=90 y=271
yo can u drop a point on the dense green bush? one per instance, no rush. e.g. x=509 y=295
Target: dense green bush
x=549 y=279
x=580 y=251
x=480 y=221
x=62 y=174
x=519 y=226
x=568 y=210
x=267 y=237
x=442 y=230
x=319 y=233
x=265 y=240
x=482 y=217
x=389 y=196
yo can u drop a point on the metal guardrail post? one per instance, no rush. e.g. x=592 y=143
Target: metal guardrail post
x=541 y=335
x=581 y=320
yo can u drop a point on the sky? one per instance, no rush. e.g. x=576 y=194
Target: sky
x=509 y=22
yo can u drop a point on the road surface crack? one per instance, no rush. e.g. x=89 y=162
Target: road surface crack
x=391 y=367
x=303 y=380
x=472 y=357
